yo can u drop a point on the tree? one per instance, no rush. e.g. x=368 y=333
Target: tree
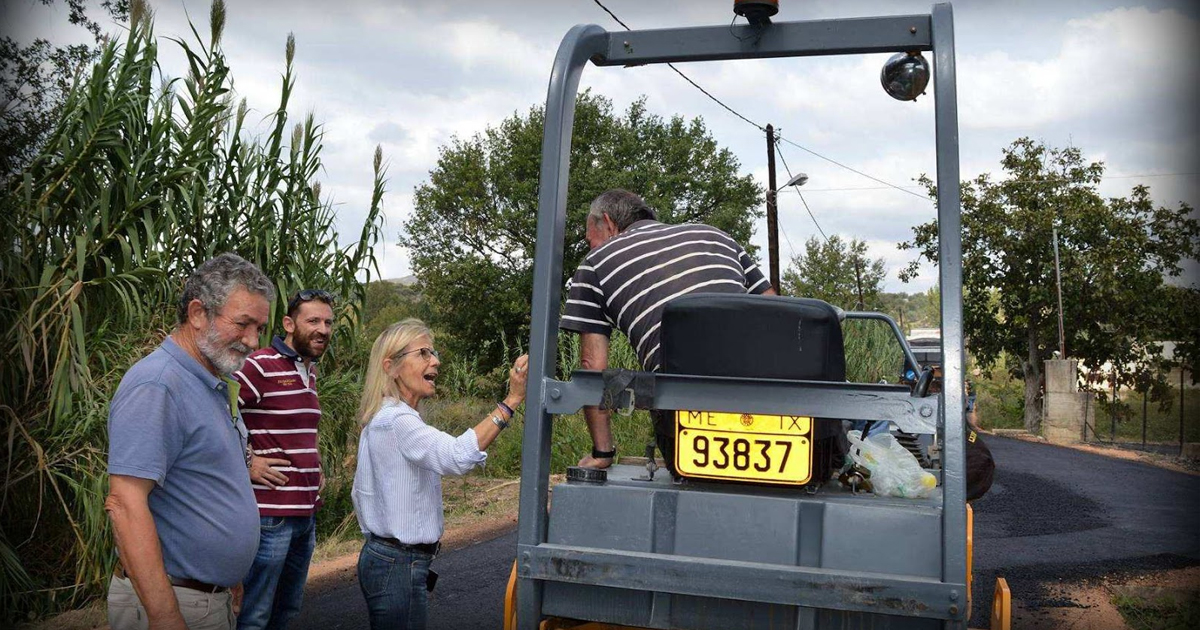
x=838 y=272
x=35 y=79
x=471 y=235
x=1115 y=256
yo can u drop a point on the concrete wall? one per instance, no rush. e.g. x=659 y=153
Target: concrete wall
x=1063 y=405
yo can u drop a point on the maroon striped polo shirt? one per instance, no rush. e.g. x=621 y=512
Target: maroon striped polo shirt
x=278 y=399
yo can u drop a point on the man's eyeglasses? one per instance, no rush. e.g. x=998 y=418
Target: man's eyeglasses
x=426 y=353
x=310 y=294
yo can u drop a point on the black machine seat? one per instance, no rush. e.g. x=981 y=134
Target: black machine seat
x=755 y=336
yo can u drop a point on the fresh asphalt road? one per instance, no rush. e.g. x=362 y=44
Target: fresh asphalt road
x=1053 y=515
x=1058 y=515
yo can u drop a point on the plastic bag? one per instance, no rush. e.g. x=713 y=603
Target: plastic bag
x=894 y=470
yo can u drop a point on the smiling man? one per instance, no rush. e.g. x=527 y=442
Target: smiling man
x=180 y=502
x=279 y=401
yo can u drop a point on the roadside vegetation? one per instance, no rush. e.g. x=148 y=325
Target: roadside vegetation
x=1166 y=612
x=140 y=178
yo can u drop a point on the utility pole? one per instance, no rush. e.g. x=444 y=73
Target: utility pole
x=1181 y=364
x=1062 y=342
x=858 y=279
x=772 y=216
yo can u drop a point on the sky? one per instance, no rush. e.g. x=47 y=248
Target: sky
x=1114 y=79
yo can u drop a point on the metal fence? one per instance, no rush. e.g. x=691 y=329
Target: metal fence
x=1133 y=420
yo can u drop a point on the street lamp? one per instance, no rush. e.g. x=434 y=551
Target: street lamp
x=799 y=180
x=773 y=221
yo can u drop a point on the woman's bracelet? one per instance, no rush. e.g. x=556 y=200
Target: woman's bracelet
x=505 y=408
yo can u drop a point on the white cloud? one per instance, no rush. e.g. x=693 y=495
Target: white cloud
x=410 y=76
x=1109 y=64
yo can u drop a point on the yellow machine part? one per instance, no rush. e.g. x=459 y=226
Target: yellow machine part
x=970 y=556
x=1001 y=606
x=510 y=600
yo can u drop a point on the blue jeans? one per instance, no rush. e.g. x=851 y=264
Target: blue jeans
x=275 y=584
x=393 y=582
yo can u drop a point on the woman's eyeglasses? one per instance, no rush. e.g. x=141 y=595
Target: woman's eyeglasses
x=426 y=353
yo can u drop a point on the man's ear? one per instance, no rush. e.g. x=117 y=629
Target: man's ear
x=197 y=317
x=289 y=324
x=610 y=225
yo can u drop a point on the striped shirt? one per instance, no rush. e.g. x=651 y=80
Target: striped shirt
x=398 y=482
x=278 y=399
x=626 y=282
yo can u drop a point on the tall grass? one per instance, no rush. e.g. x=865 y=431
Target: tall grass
x=873 y=353
x=143 y=178
x=1162 y=418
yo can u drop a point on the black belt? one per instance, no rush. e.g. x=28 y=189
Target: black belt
x=195 y=585
x=429 y=548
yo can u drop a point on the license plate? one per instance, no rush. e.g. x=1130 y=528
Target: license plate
x=743 y=447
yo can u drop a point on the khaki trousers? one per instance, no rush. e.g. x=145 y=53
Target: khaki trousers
x=201 y=611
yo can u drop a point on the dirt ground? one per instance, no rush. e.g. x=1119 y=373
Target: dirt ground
x=1090 y=607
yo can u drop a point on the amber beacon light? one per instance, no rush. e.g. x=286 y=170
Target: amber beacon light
x=757 y=12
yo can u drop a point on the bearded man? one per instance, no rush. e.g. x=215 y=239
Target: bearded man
x=180 y=502
x=279 y=401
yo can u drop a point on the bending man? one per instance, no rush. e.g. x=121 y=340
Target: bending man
x=636 y=265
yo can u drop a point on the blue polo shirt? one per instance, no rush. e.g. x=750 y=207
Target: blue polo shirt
x=170 y=421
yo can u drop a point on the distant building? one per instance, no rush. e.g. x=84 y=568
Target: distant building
x=1098 y=379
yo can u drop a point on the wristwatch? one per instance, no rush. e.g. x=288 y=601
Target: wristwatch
x=498 y=422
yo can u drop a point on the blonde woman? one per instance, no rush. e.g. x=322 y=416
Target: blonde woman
x=401 y=460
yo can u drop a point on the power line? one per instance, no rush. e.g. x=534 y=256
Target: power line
x=1011 y=181
x=797 y=189
x=612 y=15
x=854 y=170
x=685 y=77
x=756 y=125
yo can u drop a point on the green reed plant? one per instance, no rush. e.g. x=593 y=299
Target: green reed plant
x=143 y=178
x=873 y=353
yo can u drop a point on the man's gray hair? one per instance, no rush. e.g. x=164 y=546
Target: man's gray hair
x=213 y=282
x=622 y=206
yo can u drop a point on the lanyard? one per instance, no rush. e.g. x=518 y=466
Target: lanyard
x=233 y=388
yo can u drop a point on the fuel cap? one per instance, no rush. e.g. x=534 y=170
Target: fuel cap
x=580 y=474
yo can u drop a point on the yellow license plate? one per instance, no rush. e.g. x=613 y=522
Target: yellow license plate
x=743 y=447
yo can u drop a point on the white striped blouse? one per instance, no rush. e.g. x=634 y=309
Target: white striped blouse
x=398 y=482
